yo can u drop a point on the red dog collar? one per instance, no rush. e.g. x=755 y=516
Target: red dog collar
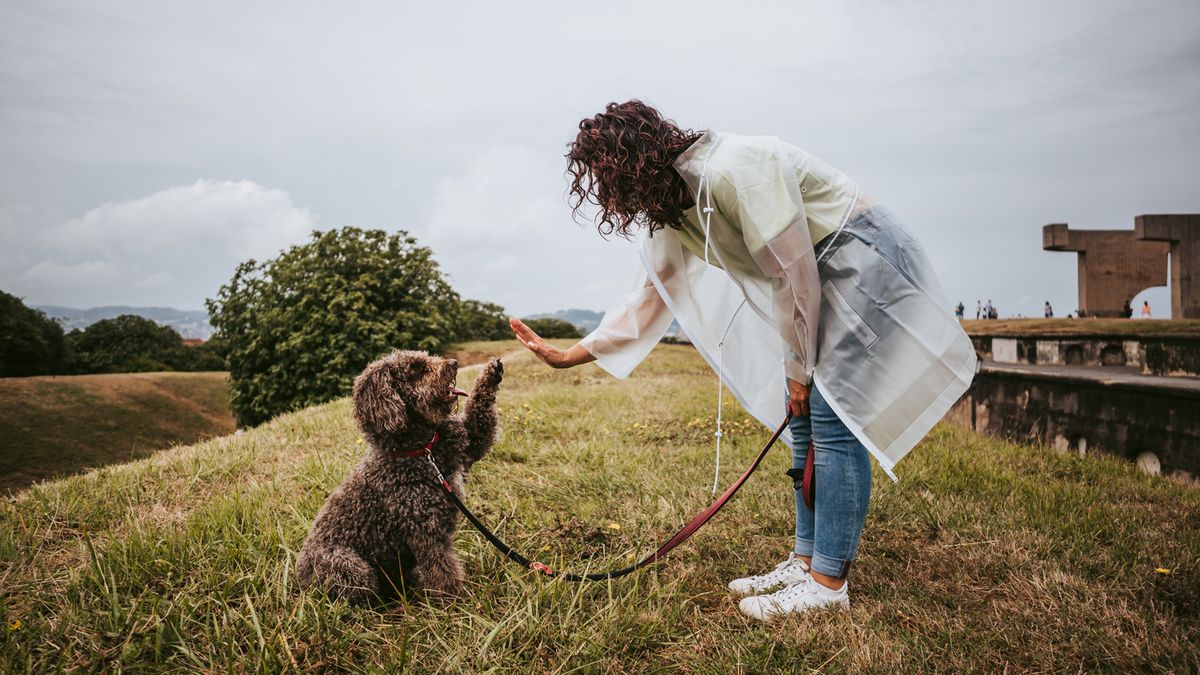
x=423 y=451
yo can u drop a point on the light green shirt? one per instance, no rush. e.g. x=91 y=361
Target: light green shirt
x=825 y=194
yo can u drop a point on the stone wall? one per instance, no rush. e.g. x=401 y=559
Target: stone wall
x=1153 y=355
x=1172 y=357
x=1156 y=427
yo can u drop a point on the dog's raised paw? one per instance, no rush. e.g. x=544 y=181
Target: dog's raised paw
x=492 y=373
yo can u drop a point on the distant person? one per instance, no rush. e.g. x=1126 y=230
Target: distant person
x=958 y=311
x=978 y=310
x=1128 y=310
x=1146 y=309
x=753 y=221
x=988 y=310
x=1049 y=311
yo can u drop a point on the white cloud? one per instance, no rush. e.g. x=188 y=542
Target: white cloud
x=59 y=276
x=504 y=233
x=239 y=218
x=173 y=247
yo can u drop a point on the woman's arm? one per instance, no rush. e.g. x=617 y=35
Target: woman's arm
x=548 y=353
x=624 y=337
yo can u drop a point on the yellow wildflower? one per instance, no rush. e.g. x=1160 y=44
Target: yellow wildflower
x=614 y=526
x=1162 y=570
x=15 y=624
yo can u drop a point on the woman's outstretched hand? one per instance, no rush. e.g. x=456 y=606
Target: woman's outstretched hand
x=551 y=355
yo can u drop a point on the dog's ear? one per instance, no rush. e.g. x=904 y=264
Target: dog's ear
x=377 y=405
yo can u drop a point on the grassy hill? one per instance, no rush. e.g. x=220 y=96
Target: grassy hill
x=52 y=426
x=986 y=556
x=1066 y=327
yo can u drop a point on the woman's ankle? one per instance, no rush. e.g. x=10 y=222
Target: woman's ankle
x=832 y=583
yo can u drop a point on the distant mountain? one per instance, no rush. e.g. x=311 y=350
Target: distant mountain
x=585 y=320
x=188 y=323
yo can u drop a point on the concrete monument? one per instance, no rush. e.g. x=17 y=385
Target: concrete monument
x=1181 y=231
x=1114 y=265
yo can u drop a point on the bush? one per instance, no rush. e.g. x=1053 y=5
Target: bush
x=197 y=358
x=125 y=344
x=553 y=328
x=299 y=328
x=482 y=321
x=30 y=342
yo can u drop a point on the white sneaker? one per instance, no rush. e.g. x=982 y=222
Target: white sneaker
x=800 y=597
x=790 y=571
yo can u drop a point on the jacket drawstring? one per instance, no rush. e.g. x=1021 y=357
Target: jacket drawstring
x=708 y=207
x=721 y=392
x=707 y=216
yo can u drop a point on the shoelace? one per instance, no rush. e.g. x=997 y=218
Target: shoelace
x=780 y=569
x=791 y=591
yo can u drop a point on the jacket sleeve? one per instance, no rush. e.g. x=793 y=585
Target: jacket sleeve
x=761 y=197
x=629 y=330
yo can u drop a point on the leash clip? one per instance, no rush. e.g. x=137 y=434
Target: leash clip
x=441 y=479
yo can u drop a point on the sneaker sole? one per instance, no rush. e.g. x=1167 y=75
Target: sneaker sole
x=831 y=607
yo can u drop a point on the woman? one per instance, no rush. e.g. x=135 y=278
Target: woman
x=775 y=265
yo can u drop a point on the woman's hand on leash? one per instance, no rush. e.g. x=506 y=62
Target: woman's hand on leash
x=798 y=397
x=548 y=353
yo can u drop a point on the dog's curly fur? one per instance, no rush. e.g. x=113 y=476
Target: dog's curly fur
x=389 y=526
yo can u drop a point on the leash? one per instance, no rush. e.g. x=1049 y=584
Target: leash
x=680 y=536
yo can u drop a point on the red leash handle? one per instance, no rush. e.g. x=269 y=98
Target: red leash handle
x=808 y=485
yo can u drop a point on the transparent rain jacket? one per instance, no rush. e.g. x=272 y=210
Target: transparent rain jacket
x=869 y=324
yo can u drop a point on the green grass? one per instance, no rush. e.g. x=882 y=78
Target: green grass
x=987 y=556
x=53 y=426
x=1066 y=327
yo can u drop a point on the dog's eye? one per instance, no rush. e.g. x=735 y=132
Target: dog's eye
x=412 y=370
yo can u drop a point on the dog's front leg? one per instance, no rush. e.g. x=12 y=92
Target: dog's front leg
x=339 y=571
x=437 y=571
x=480 y=414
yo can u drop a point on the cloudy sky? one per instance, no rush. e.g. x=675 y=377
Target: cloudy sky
x=148 y=147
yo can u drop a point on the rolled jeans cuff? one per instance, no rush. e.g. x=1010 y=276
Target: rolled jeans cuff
x=804 y=547
x=830 y=567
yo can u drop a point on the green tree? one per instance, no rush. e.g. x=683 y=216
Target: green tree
x=30 y=342
x=197 y=358
x=125 y=344
x=299 y=328
x=482 y=321
x=550 y=327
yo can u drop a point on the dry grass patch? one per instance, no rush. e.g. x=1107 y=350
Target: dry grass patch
x=54 y=426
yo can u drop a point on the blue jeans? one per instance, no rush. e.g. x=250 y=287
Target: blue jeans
x=831 y=531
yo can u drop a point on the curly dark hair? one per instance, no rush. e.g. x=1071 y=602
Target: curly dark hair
x=621 y=161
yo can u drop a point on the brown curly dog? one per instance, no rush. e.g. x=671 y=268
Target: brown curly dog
x=390 y=526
